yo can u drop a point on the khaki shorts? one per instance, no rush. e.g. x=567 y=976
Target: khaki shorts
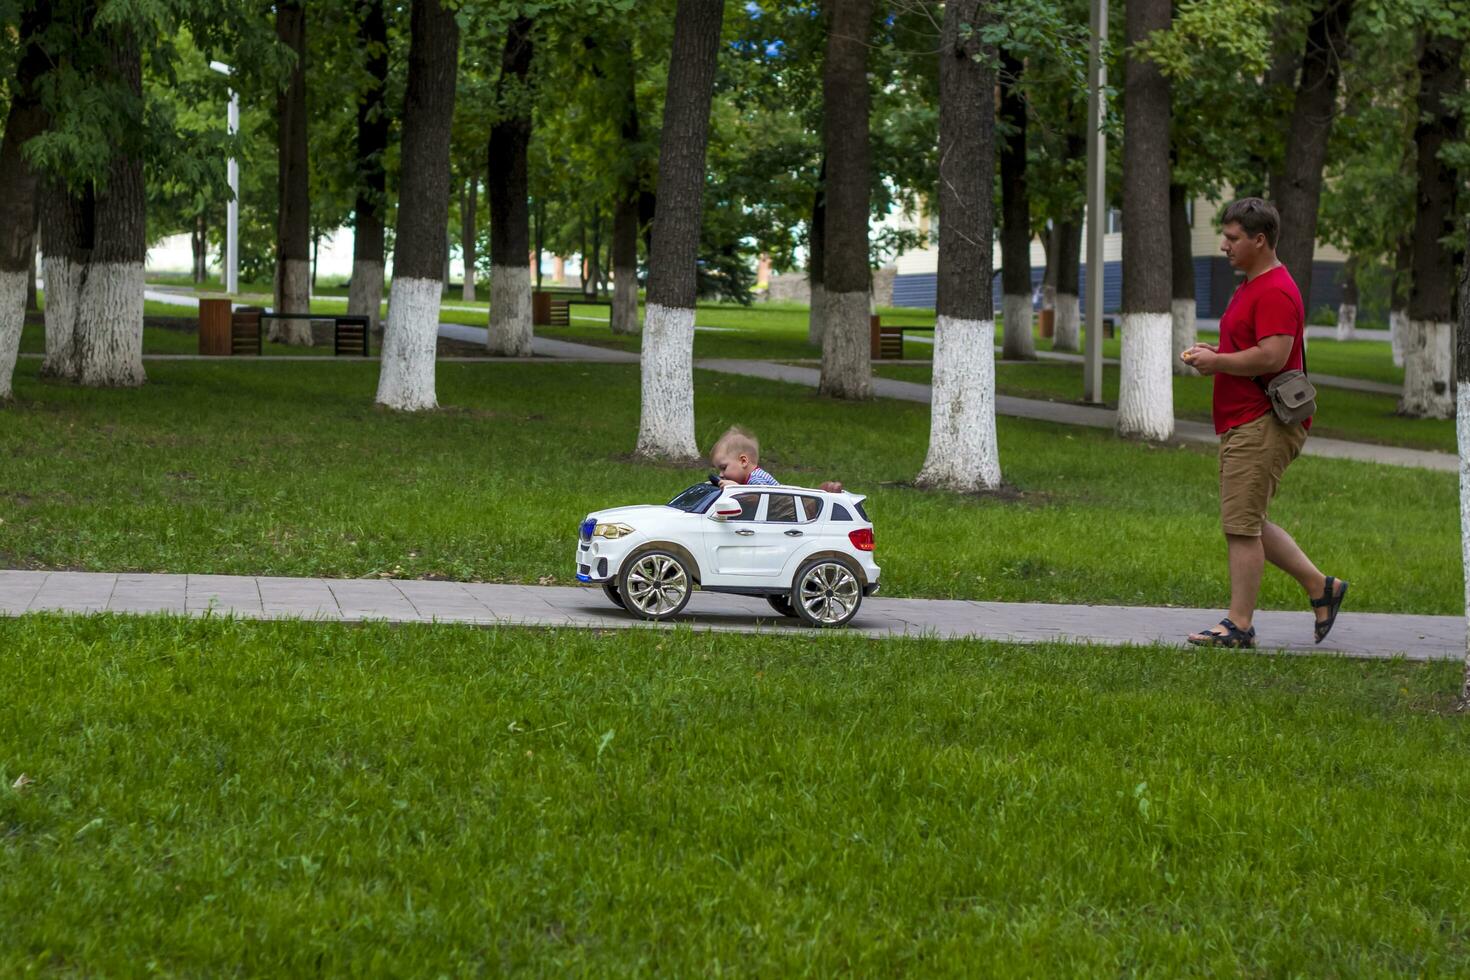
x=1252 y=458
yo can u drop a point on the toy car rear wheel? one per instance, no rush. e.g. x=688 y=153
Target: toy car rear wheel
x=610 y=589
x=827 y=592
x=782 y=604
x=655 y=585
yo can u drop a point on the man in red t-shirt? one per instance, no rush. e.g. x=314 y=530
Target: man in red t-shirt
x=1261 y=335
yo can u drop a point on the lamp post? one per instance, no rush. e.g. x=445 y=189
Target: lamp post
x=1097 y=178
x=232 y=212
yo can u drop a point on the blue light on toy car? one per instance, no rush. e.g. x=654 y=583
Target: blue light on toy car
x=586 y=528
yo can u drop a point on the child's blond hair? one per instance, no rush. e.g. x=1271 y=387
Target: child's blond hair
x=737 y=441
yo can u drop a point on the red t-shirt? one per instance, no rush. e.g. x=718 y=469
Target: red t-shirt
x=1265 y=306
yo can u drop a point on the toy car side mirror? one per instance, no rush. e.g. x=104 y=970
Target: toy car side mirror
x=725 y=509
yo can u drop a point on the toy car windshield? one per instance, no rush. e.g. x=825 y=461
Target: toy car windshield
x=696 y=499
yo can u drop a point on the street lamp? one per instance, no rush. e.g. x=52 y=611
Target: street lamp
x=232 y=213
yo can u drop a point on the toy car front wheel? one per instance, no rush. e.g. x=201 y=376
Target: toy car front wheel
x=827 y=592
x=610 y=589
x=782 y=604
x=654 y=585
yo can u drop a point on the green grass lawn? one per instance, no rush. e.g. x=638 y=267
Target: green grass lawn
x=287 y=468
x=277 y=799
x=1342 y=414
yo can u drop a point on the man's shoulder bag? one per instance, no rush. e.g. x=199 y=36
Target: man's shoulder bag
x=1291 y=394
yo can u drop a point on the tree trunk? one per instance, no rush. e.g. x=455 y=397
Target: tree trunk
x=963 y=454
x=1347 y=310
x=1018 y=338
x=1398 y=297
x=33 y=300
x=197 y=246
x=1067 y=320
x=594 y=268
x=468 y=231
x=365 y=296
x=1299 y=187
x=406 y=380
x=666 y=420
x=847 y=370
x=26 y=119
x=1049 y=270
x=293 y=194
x=540 y=214
x=816 y=260
x=1182 y=305
x=1146 y=386
x=1462 y=432
x=624 y=313
x=510 y=213
x=1429 y=344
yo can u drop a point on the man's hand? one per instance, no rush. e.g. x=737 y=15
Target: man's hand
x=831 y=486
x=1204 y=358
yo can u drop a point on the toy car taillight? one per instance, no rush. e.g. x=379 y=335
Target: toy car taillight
x=862 y=538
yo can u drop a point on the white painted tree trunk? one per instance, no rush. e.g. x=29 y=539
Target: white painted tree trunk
x=1048 y=297
x=624 y=316
x=1347 y=321
x=109 y=327
x=365 y=295
x=63 y=288
x=1067 y=324
x=847 y=364
x=510 y=332
x=963 y=452
x=1146 y=385
x=1429 y=358
x=293 y=294
x=12 y=318
x=816 y=319
x=468 y=293
x=1018 y=337
x=1398 y=321
x=410 y=343
x=1462 y=433
x=1182 y=312
x=666 y=422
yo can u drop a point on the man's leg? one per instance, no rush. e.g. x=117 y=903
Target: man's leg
x=1247 y=561
x=1283 y=552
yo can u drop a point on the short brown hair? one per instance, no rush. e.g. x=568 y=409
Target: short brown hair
x=738 y=440
x=1256 y=215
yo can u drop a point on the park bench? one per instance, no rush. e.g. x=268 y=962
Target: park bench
x=224 y=331
x=549 y=311
x=886 y=342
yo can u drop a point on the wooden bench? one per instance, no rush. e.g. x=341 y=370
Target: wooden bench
x=549 y=311
x=886 y=343
x=226 y=332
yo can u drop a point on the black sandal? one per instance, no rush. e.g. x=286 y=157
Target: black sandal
x=1234 y=637
x=1332 y=600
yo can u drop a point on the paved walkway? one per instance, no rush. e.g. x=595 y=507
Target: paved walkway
x=1371 y=635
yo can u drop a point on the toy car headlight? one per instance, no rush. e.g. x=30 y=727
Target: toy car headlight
x=611 y=531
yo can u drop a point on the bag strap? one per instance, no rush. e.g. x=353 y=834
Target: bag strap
x=1257 y=378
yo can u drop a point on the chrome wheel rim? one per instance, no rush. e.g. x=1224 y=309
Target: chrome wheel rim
x=656 y=585
x=829 y=593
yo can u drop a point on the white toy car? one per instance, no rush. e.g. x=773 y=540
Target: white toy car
x=808 y=552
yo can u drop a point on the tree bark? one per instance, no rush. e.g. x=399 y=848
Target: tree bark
x=1146 y=386
x=666 y=420
x=624 y=312
x=846 y=364
x=468 y=201
x=1428 y=342
x=509 y=189
x=1347 y=310
x=591 y=262
x=1018 y=338
x=293 y=194
x=1297 y=189
x=963 y=453
x=1398 y=297
x=1182 y=305
x=816 y=259
x=26 y=119
x=1067 y=320
x=365 y=296
x=406 y=381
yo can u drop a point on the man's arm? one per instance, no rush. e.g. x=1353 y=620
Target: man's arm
x=1267 y=357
